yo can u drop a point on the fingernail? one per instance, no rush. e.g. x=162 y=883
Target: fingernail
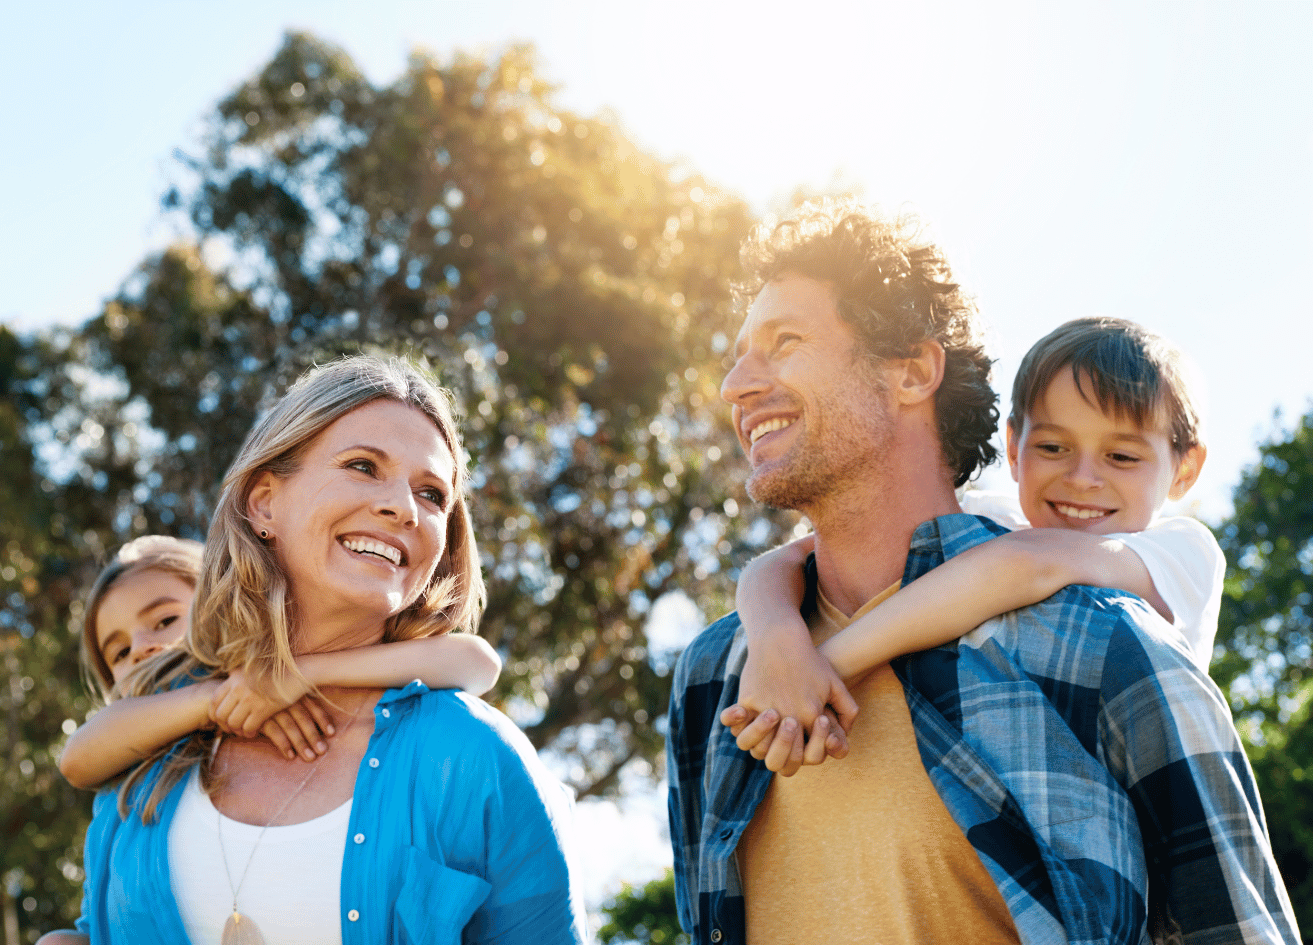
x=291 y=755
x=309 y=755
x=331 y=730
x=321 y=747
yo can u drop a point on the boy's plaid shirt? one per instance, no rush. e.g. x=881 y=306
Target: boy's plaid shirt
x=1094 y=769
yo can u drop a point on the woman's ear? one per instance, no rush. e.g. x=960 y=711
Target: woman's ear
x=1187 y=471
x=260 y=504
x=915 y=379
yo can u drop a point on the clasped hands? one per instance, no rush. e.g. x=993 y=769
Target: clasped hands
x=792 y=709
x=298 y=726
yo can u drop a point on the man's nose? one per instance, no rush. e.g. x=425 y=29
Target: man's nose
x=748 y=376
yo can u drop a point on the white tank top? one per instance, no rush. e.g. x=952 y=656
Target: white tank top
x=292 y=889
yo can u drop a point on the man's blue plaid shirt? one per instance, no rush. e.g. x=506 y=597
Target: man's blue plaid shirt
x=1091 y=765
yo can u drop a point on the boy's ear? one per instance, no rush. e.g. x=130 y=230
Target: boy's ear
x=914 y=380
x=1187 y=471
x=259 y=503
x=1013 y=446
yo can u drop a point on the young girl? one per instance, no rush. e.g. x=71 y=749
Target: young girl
x=140 y=607
x=1103 y=430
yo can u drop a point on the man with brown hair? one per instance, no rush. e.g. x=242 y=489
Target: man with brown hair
x=1060 y=774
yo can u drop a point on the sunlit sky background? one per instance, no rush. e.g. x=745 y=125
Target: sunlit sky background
x=1149 y=161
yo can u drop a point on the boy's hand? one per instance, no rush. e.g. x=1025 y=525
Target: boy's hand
x=785 y=672
x=780 y=744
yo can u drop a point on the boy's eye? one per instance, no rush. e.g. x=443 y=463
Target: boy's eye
x=1124 y=458
x=1049 y=449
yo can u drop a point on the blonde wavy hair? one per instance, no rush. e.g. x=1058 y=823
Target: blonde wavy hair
x=242 y=615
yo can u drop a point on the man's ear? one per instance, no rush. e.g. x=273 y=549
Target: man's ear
x=260 y=503
x=1187 y=471
x=914 y=380
x=1014 y=445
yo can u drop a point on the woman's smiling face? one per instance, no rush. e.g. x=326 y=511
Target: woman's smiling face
x=360 y=526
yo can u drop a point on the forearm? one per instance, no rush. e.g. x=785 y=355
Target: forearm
x=1012 y=571
x=460 y=660
x=770 y=592
x=126 y=731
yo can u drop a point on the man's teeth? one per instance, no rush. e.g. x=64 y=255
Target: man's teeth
x=1072 y=512
x=770 y=426
x=366 y=546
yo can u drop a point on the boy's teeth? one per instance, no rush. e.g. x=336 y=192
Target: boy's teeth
x=770 y=426
x=1072 y=512
x=366 y=546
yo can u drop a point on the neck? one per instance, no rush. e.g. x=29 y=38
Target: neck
x=329 y=632
x=863 y=532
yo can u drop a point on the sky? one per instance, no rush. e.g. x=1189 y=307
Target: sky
x=1147 y=161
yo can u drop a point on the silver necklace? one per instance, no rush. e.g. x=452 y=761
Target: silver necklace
x=241 y=929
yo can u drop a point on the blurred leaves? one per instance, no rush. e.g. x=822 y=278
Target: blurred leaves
x=1267 y=632
x=569 y=287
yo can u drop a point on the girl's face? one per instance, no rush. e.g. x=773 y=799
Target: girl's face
x=141 y=614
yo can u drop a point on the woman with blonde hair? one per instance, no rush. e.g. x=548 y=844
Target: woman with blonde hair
x=342 y=524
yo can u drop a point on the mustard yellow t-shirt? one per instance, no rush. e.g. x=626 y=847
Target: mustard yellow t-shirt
x=862 y=849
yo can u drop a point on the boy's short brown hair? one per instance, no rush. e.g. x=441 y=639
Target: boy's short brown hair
x=1130 y=371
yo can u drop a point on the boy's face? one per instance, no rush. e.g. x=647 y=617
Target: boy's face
x=1080 y=468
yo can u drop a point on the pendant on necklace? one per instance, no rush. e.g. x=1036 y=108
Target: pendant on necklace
x=240 y=930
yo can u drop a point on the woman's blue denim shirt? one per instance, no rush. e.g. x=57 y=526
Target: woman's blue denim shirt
x=457 y=833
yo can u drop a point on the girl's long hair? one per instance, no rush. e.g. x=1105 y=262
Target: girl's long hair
x=242 y=615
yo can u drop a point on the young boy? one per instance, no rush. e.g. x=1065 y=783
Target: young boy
x=1103 y=431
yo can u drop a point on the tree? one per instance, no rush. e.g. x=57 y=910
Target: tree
x=646 y=915
x=569 y=287
x=1266 y=627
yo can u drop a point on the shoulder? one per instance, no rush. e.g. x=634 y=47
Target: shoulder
x=456 y=718
x=705 y=660
x=1179 y=534
x=1002 y=507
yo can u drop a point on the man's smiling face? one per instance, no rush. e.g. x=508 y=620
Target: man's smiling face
x=809 y=411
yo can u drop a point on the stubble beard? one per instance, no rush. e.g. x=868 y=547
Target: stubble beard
x=852 y=449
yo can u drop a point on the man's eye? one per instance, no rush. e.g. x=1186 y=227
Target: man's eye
x=785 y=339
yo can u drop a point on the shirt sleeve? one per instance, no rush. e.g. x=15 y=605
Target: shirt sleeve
x=1170 y=742
x=1186 y=566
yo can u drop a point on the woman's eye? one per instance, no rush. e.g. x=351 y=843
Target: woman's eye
x=434 y=496
x=361 y=465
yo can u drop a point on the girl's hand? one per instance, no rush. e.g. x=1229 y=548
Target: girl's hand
x=302 y=729
x=786 y=673
x=780 y=744
x=238 y=709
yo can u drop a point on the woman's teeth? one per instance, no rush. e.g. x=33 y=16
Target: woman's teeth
x=368 y=547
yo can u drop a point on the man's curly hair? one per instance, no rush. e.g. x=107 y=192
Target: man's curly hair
x=897 y=291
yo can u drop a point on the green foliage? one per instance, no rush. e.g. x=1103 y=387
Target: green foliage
x=646 y=915
x=570 y=288
x=1266 y=631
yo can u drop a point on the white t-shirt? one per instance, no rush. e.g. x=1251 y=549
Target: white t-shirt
x=292 y=889
x=1183 y=559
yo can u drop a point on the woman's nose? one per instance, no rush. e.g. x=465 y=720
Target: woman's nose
x=398 y=501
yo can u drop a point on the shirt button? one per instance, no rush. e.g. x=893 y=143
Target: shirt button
x=725 y=835
x=715 y=935
x=359 y=838
x=387 y=714
x=353 y=915
x=373 y=762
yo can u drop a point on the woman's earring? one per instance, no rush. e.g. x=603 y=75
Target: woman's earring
x=264 y=534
